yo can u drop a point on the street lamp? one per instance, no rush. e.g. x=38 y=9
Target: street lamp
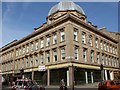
x=102 y=72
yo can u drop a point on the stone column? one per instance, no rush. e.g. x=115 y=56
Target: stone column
x=71 y=77
x=48 y=77
x=32 y=75
x=86 y=76
x=106 y=78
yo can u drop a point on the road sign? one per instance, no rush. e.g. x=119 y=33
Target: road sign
x=41 y=68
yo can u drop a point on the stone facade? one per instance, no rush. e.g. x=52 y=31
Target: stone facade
x=67 y=46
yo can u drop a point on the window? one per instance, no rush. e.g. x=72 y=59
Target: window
x=48 y=41
x=10 y=54
x=36 y=59
x=90 y=40
x=96 y=42
x=26 y=62
x=32 y=47
x=48 y=56
x=31 y=61
x=42 y=43
x=23 y=63
x=23 y=49
x=54 y=39
x=103 y=59
x=75 y=35
x=105 y=46
x=11 y=65
x=36 y=45
x=83 y=37
x=116 y=50
x=84 y=54
x=113 y=50
x=76 y=53
x=92 y=56
x=18 y=62
x=16 y=53
x=27 y=48
x=101 y=45
x=20 y=51
x=41 y=59
x=112 y=61
x=62 y=34
x=54 y=55
x=15 y=65
x=106 y=60
x=98 y=58
x=115 y=62
x=63 y=53
x=108 y=47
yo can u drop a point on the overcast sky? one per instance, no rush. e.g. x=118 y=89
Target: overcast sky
x=20 y=18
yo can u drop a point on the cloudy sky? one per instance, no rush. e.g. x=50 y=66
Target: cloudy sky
x=20 y=18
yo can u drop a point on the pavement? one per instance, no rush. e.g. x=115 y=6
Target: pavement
x=6 y=88
x=93 y=86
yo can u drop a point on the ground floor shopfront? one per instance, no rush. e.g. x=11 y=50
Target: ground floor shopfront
x=79 y=74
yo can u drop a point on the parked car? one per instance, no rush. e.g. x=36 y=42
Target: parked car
x=109 y=85
x=22 y=84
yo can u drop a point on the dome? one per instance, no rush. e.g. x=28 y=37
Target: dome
x=65 y=5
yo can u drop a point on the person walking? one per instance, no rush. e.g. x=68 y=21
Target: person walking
x=62 y=85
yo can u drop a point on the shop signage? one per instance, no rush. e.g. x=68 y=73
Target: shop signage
x=42 y=68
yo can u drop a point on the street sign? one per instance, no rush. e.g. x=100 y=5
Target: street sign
x=42 y=68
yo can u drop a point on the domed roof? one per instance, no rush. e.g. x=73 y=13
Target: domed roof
x=65 y=5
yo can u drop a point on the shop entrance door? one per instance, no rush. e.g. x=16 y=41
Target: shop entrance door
x=89 y=77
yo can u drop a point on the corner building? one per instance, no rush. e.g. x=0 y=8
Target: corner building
x=66 y=46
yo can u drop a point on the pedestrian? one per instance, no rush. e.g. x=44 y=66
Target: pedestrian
x=62 y=82
x=62 y=85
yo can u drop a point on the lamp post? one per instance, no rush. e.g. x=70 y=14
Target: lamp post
x=21 y=72
x=102 y=72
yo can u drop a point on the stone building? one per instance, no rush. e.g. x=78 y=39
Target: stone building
x=66 y=46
